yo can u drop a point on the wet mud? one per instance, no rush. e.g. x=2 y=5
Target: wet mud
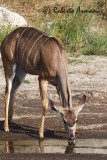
x=22 y=142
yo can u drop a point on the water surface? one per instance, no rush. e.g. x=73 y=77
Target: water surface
x=83 y=146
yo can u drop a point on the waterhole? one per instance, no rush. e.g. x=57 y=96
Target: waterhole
x=83 y=146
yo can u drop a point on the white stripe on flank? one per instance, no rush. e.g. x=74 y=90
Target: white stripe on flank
x=39 y=50
x=27 y=45
x=26 y=41
x=32 y=48
x=21 y=37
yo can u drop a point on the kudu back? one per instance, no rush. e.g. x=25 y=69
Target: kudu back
x=29 y=50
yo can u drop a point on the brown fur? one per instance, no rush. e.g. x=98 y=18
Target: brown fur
x=28 y=50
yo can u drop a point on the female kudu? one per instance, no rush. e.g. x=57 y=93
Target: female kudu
x=28 y=50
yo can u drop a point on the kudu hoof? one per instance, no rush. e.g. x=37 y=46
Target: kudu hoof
x=6 y=129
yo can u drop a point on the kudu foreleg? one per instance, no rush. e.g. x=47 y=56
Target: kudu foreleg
x=43 y=92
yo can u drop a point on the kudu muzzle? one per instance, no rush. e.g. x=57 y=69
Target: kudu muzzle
x=71 y=133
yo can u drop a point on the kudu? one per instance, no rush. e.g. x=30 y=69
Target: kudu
x=29 y=50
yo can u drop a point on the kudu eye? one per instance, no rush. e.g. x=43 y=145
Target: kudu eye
x=76 y=121
x=65 y=121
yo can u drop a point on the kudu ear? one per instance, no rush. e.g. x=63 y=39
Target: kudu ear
x=56 y=106
x=81 y=105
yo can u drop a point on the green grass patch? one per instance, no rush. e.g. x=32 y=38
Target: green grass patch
x=75 y=32
x=26 y=81
x=1 y=68
x=4 y=32
x=96 y=44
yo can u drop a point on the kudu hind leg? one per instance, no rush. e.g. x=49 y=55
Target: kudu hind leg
x=18 y=79
x=43 y=92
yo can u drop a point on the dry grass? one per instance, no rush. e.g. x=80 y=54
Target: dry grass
x=92 y=70
x=80 y=33
x=32 y=9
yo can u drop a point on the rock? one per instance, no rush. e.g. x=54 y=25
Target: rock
x=8 y=18
x=48 y=25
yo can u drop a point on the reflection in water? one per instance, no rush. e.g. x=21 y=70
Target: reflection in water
x=8 y=146
x=70 y=149
x=41 y=145
x=83 y=146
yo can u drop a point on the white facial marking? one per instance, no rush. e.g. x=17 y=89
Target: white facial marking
x=73 y=127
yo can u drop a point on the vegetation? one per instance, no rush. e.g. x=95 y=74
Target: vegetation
x=4 y=32
x=80 y=33
x=26 y=81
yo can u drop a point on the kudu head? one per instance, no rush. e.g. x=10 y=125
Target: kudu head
x=70 y=117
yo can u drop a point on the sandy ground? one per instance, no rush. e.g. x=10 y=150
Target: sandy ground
x=88 y=75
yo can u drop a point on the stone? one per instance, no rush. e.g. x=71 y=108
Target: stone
x=11 y=19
